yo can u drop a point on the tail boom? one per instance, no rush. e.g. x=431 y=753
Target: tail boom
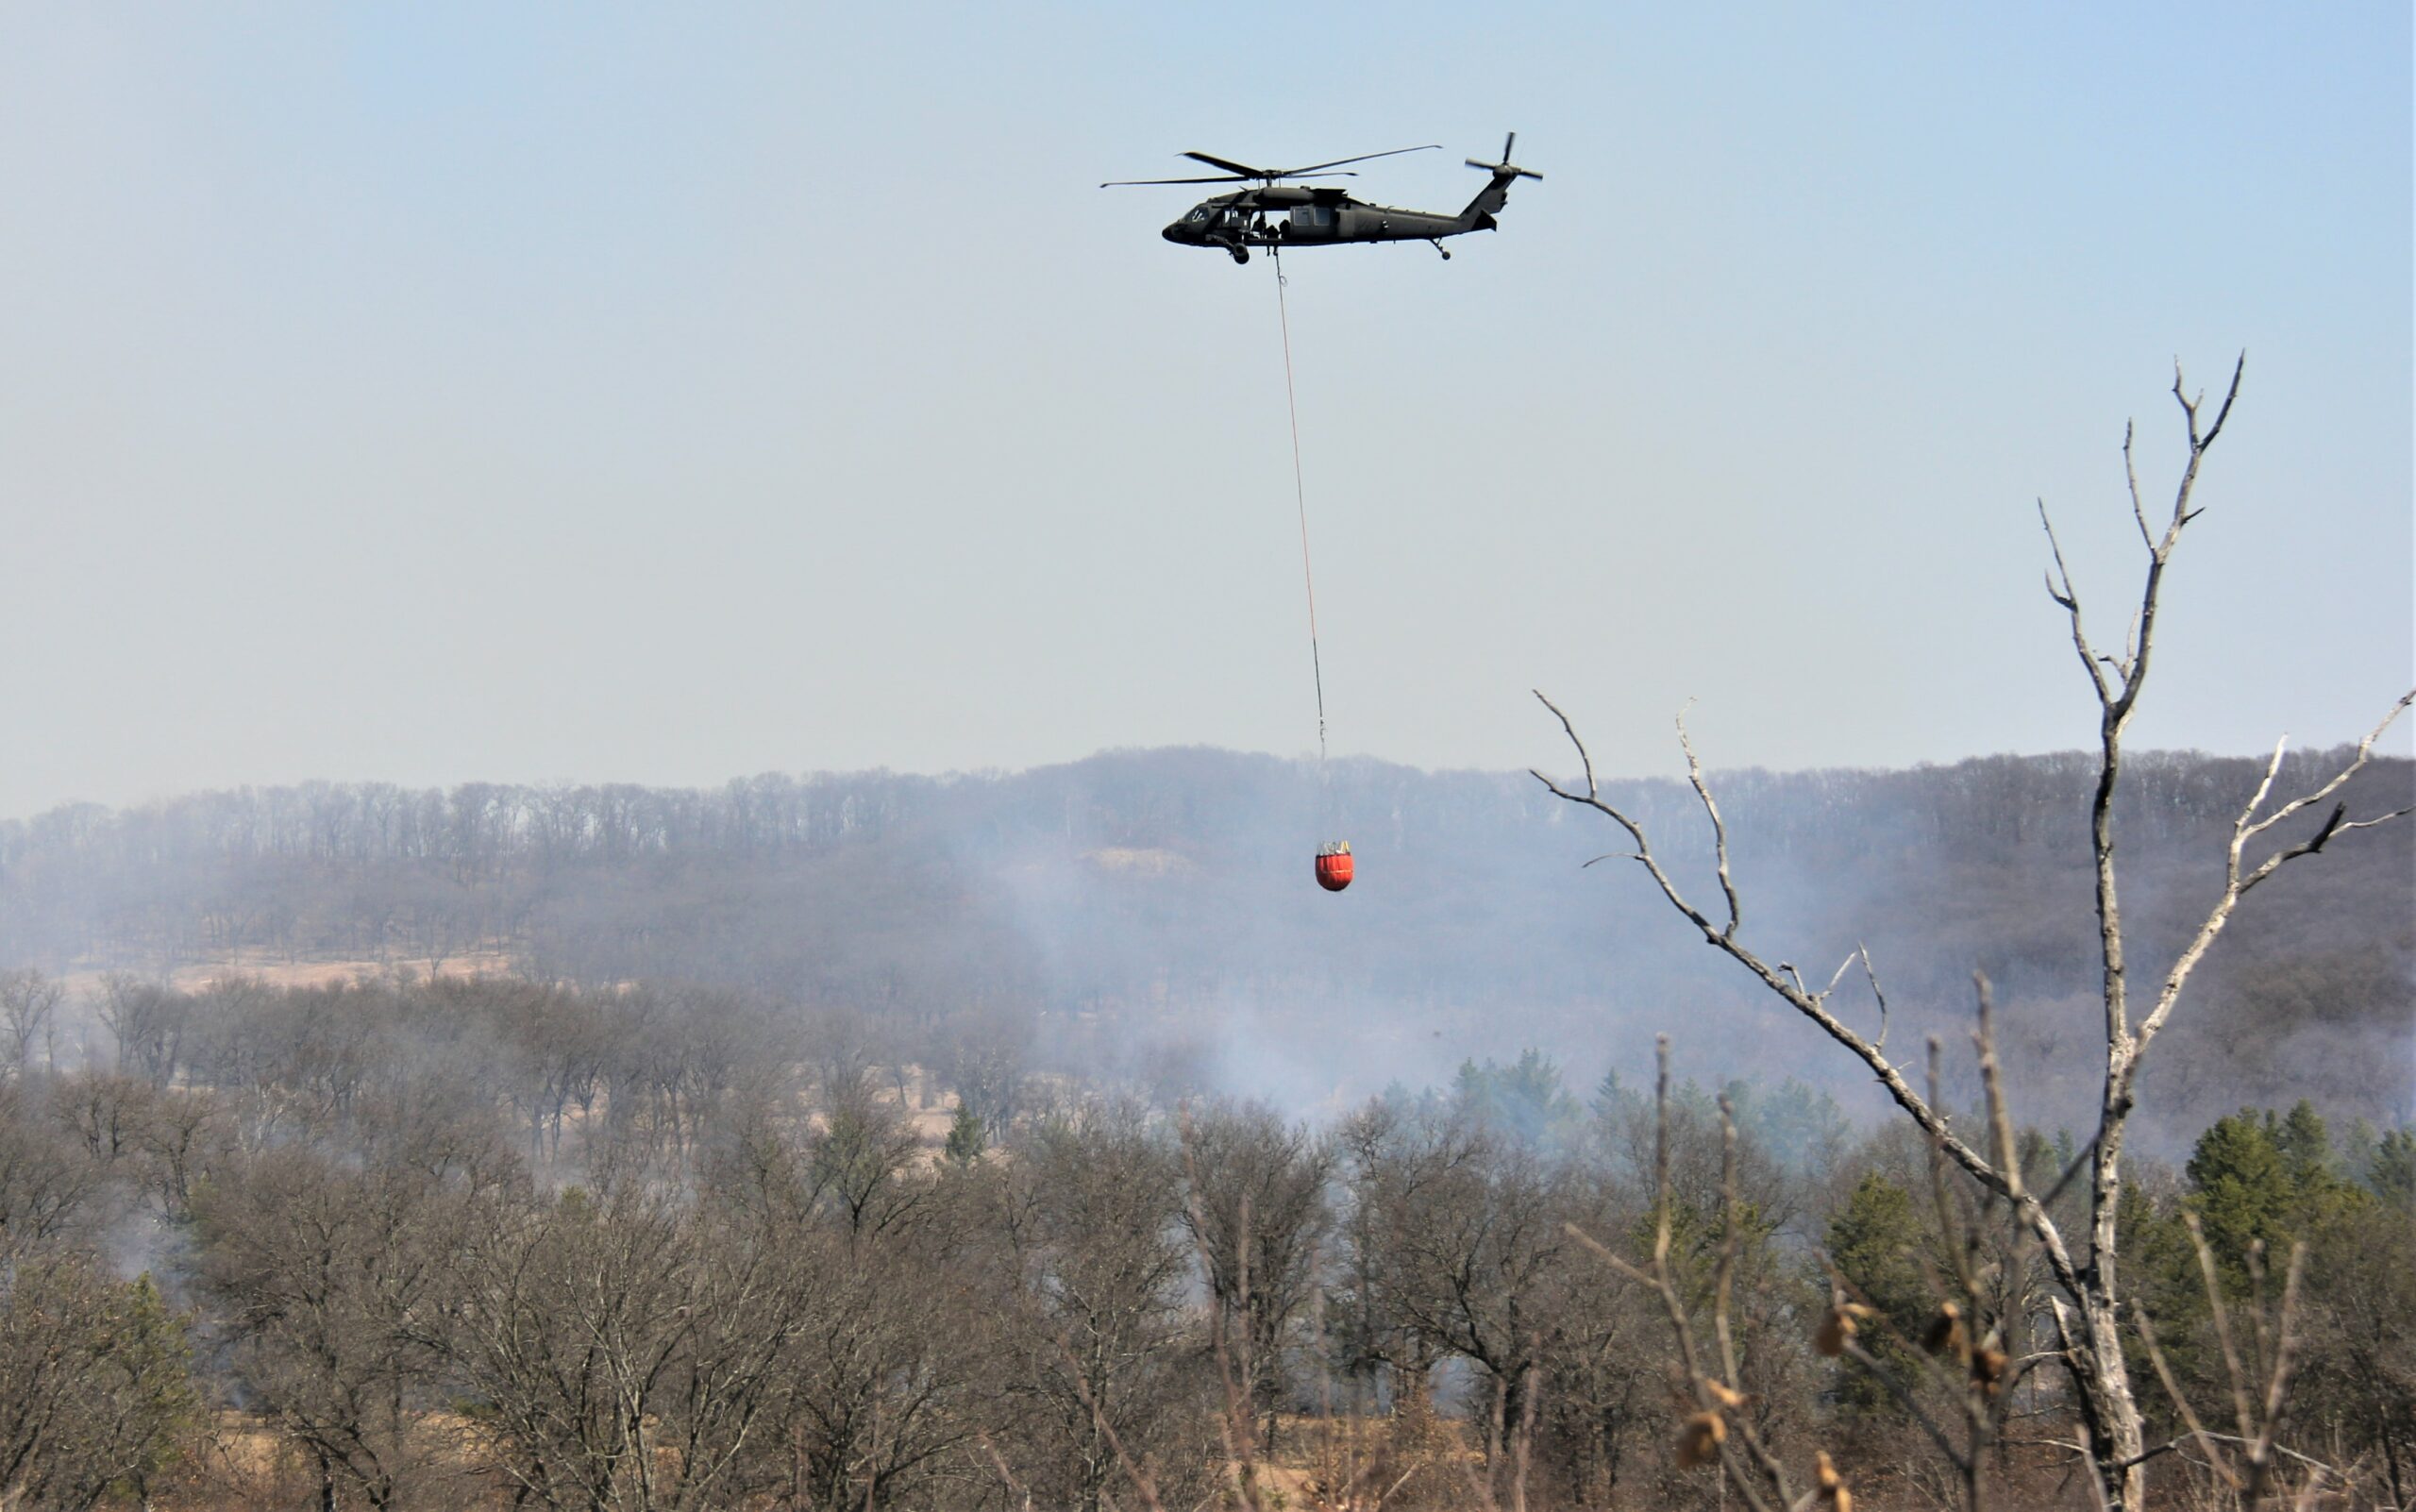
x=1489 y=200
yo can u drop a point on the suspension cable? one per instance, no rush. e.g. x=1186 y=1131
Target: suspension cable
x=1301 y=497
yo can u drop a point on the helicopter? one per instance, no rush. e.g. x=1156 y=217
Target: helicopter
x=1282 y=215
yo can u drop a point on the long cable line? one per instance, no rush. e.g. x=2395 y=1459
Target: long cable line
x=1300 y=498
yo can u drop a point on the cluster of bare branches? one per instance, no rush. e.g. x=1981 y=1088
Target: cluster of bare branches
x=1709 y=1381
x=2088 y=1308
x=2245 y=1467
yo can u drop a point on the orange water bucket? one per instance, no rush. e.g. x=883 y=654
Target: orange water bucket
x=1333 y=867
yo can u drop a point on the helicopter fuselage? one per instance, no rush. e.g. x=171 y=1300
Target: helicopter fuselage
x=1275 y=214
x=1286 y=215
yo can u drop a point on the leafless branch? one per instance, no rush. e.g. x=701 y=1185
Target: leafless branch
x=2238 y=881
x=1870 y=974
x=1718 y=827
x=1586 y=762
x=2189 y=407
x=1839 y=974
x=1749 y=1465
x=1612 y=855
x=1142 y=1481
x=2131 y=476
x=2059 y=588
x=1889 y=1075
x=2259 y=1412
x=2000 y=1117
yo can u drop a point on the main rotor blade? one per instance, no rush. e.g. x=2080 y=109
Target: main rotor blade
x=1220 y=178
x=1243 y=169
x=1364 y=156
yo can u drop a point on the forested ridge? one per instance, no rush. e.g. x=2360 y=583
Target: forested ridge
x=1148 y=914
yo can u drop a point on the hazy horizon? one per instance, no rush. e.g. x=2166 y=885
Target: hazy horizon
x=1550 y=760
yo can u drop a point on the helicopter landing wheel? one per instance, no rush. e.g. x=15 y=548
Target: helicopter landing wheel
x=1241 y=254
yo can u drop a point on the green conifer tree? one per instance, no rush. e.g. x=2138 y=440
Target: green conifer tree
x=2261 y=1180
x=2393 y=1174
x=1876 y=1243
x=2239 y=1182
x=2162 y=1266
x=967 y=1139
x=145 y=1371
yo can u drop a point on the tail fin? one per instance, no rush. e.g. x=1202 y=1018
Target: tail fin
x=1479 y=215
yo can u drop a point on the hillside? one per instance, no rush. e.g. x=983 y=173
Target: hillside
x=1149 y=914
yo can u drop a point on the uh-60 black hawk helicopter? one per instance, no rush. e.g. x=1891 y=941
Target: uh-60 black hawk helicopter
x=1280 y=215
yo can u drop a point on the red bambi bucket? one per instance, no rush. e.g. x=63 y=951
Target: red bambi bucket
x=1333 y=867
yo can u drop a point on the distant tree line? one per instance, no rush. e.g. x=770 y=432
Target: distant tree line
x=1119 y=902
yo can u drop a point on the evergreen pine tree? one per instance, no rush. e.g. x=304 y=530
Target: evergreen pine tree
x=146 y=1370
x=2266 y=1180
x=966 y=1138
x=2306 y=1145
x=1875 y=1243
x=2164 y=1278
x=2393 y=1174
x=2239 y=1186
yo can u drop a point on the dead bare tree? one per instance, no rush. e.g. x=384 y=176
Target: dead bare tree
x=1971 y=1349
x=28 y=1000
x=2259 y=1408
x=2089 y=1311
x=1258 y=1214
x=1715 y=1432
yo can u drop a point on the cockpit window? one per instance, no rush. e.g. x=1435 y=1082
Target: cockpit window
x=1198 y=212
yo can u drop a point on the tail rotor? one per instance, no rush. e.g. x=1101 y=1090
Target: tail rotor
x=1506 y=168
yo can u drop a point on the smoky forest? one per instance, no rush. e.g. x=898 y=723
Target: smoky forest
x=1016 y=1141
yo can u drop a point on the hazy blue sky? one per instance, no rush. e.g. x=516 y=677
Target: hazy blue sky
x=435 y=393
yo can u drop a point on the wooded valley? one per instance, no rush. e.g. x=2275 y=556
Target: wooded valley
x=869 y=1142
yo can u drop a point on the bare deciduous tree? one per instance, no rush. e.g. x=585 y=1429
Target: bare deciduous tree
x=629 y=1355
x=317 y=1274
x=2247 y=1463
x=2084 y=1266
x=1259 y=1218
x=49 y=1189
x=1710 y=1379
x=1463 y=1253
x=28 y=1001
x=1098 y=1241
x=148 y=1022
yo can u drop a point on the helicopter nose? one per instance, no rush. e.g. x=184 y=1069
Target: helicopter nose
x=1173 y=233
